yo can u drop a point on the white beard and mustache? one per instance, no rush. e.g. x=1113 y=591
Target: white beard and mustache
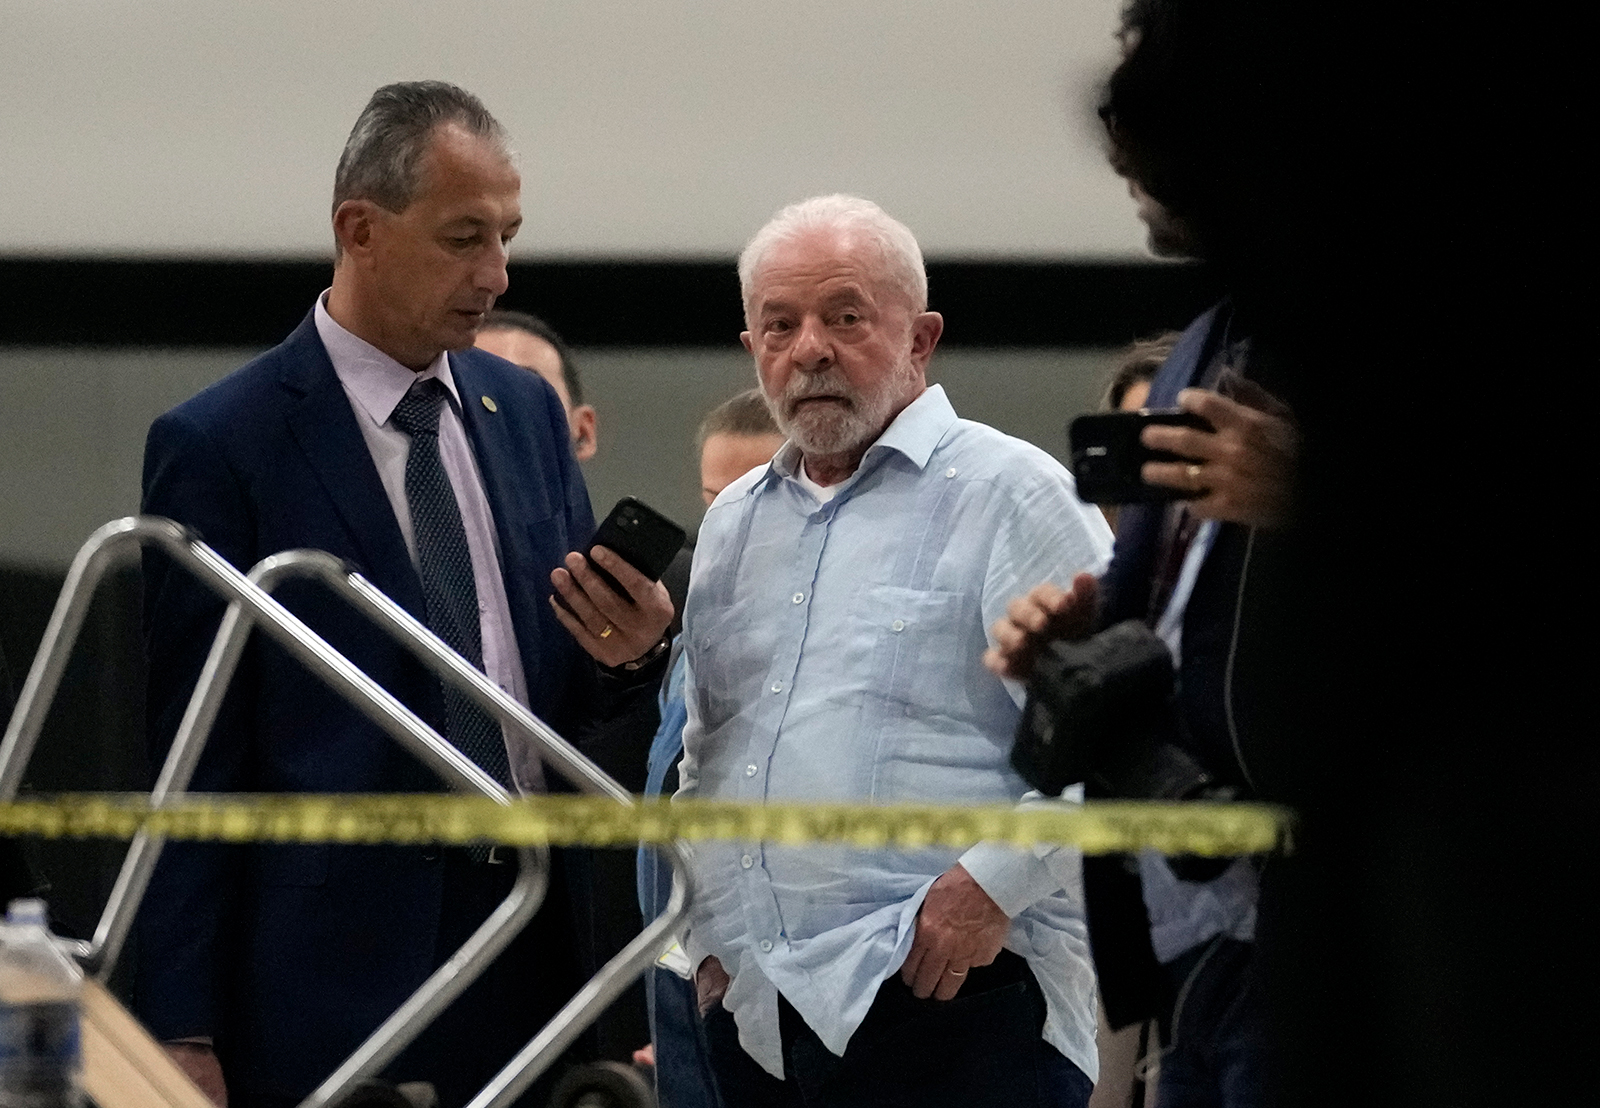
x=839 y=428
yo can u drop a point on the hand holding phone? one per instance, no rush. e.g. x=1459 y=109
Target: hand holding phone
x=619 y=627
x=1241 y=469
x=640 y=536
x=1108 y=454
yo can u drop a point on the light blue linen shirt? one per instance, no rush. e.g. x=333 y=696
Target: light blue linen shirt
x=834 y=654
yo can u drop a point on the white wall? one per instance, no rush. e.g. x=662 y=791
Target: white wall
x=207 y=127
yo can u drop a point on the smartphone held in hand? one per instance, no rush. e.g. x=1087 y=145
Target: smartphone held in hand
x=1107 y=455
x=640 y=536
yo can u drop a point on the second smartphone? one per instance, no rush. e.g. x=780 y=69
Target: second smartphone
x=640 y=536
x=1107 y=455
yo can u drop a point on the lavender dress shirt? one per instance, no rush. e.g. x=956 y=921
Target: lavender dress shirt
x=375 y=383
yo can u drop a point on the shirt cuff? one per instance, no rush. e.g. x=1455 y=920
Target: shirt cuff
x=695 y=951
x=1014 y=879
x=647 y=669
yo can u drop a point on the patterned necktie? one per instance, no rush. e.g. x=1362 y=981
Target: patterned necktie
x=447 y=581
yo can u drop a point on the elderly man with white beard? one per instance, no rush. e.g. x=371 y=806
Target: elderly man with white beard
x=834 y=628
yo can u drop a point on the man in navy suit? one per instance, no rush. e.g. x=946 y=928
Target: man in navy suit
x=263 y=967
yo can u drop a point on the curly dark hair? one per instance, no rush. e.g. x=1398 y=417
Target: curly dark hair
x=1203 y=108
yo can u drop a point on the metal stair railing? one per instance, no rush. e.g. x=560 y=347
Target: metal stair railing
x=250 y=605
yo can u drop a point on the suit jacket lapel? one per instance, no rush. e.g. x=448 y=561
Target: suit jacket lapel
x=514 y=482
x=1125 y=587
x=324 y=426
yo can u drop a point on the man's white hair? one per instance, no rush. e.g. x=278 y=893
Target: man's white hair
x=900 y=256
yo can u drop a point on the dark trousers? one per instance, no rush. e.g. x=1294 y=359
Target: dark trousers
x=980 y=1049
x=475 y=1037
x=683 y=1064
x=483 y=1029
x=1216 y=1036
x=606 y=916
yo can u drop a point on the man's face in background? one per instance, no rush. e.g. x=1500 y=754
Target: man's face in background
x=726 y=457
x=532 y=352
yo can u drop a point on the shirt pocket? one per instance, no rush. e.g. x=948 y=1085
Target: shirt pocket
x=923 y=644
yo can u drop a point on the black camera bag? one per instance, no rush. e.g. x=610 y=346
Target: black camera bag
x=1099 y=711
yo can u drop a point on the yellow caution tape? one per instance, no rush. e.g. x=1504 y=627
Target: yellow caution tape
x=1096 y=827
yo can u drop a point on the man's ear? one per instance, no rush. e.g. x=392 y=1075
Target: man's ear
x=925 y=331
x=585 y=426
x=744 y=337
x=353 y=225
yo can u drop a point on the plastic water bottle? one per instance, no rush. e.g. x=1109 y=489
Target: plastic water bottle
x=41 y=992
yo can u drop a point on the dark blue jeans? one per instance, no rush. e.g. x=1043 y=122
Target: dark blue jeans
x=980 y=1050
x=1217 y=1034
x=683 y=1068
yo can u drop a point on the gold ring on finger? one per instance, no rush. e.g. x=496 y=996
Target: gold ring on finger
x=606 y=634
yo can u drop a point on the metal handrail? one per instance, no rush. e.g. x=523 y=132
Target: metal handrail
x=593 y=998
x=250 y=604
x=615 y=976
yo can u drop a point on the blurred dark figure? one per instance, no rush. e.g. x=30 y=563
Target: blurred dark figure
x=16 y=875
x=1375 y=190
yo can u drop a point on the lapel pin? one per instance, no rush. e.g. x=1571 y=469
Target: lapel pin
x=488 y=402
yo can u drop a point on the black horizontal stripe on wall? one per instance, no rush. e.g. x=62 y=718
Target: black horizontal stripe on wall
x=191 y=302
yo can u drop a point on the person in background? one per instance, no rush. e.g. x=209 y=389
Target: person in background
x=532 y=343
x=1129 y=385
x=735 y=437
x=604 y=908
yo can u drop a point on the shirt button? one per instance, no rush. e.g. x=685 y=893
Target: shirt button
x=777 y=686
x=750 y=770
x=951 y=472
x=747 y=861
x=799 y=597
x=898 y=625
x=766 y=946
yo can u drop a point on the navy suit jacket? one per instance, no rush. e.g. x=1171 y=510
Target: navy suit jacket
x=1132 y=984
x=1210 y=615
x=290 y=956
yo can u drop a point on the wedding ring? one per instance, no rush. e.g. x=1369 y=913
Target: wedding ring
x=1194 y=474
x=606 y=634
x=956 y=972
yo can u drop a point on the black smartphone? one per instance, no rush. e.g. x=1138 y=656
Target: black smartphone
x=1107 y=455
x=640 y=536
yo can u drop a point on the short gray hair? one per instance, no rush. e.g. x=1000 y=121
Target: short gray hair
x=897 y=247
x=382 y=154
